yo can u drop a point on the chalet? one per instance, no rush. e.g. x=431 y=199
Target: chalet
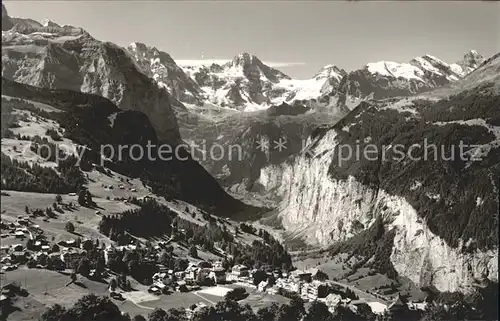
x=128 y=247
x=204 y=276
x=17 y=247
x=310 y=291
x=218 y=275
x=23 y=221
x=86 y=244
x=191 y=273
x=159 y=276
x=161 y=286
x=217 y=264
x=181 y=286
x=299 y=275
x=68 y=243
x=155 y=290
x=163 y=278
x=41 y=257
x=204 y=264
x=417 y=305
x=19 y=234
x=333 y=299
x=10 y=289
x=263 y=286
x=161 y=268
x=19 y=257
x=71 y=255
x=318 y=275
x=288 y=285
x=4 y=302
x=110 y=253
x=238 y=272
x=398 y=305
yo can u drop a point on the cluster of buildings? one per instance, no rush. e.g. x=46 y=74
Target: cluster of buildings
x=20 y=229
x=38 y=250
x=197 y=275
x=310 y=286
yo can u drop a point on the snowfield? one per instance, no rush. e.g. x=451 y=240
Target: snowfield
x=394 y=69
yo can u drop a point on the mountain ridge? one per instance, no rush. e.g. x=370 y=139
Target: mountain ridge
x=246 y=83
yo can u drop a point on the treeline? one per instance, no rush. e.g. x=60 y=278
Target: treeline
x=153 y=219
x=91 y=307
x=480 y=102
x=374 y=243
x=140 y=264
x=454 y=181
x=480 y=305
x=150 y=220
x=26 y=177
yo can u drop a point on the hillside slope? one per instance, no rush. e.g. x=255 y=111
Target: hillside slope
x=94 y=121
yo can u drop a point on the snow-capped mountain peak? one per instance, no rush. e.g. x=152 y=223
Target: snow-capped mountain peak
x=330 y=71
x=251 y=66
x=385 y=79
x=50 y=23
x=394 y=69
x=244 y=59
x=160 y=66
x=471 y=60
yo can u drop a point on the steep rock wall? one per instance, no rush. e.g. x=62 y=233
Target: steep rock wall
x=323 y=210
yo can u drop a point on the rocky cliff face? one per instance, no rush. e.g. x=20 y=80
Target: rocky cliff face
x=7 y=22
x=69 y=58
x=244 y=83
x=445 y=212
x=159 y=66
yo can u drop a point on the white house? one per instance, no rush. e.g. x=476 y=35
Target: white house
x=263 y=286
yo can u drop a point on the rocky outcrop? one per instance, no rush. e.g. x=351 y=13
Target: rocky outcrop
x=7 y=22
x=244 y=83
x=160 y=66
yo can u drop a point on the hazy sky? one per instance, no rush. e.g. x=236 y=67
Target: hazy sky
x=300 y=37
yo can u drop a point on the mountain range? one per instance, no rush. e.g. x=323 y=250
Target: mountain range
x=243 y=83
x=246 y=83
x=434 y=223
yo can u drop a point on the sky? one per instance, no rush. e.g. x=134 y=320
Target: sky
x=298 y=37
